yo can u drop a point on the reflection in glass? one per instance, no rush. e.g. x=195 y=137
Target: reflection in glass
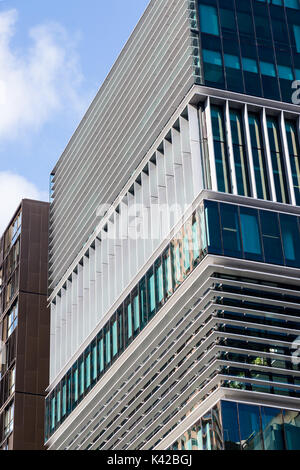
x=220 y=147
x=251 y=234
x=271 y=237
x=259 y=159
x=230 y=426
x=230 y=230
x=292 y=429
x=294 y=152
x=272 y=428
x=239 y=152
x=249 y=418
x=277 y=160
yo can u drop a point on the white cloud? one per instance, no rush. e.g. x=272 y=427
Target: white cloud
x=38 y=82
x=14 y=188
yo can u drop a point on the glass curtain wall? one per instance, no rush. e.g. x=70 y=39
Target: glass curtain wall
x=245 y=427
x=252 y=46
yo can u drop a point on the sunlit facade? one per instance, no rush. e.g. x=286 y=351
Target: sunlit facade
x=182 y=301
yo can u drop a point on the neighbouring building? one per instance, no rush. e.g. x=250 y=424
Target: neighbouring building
x=24 y=327
x=174 y=264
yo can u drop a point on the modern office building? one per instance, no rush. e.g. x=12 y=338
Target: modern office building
x=175 y=308
x=24 y=327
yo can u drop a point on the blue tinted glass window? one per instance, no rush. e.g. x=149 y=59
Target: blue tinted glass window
x=209 y=20
x=212 y=57
x=285 y=72
x=94 y=362
x=114 y=338
x=129 y=319
x=267 y=68
x=292 y=429
x=213 y=227
x=230 y=230
x=88 y=370
x=143 y=298
x=296 y=29
x=231 y=433
x=101 y=355
x=151 y=293
x=251 y=234
x=136 y=313
x=227 y=19
x=290 y=239
x=294 y=152
x=58 y=411
x=292 y=4
x=53 y=402
x=239 y=153
x=271 y=237
x=249 y=65
x=213 y=67
x=107 y=348
x=272 y=426
x=232 y=61
x=75 y=384
x=64 y=399
x=220 y=148
x=250 y=427
x=159 y=281
x=277 y=160
x=81 y=377
x=259 y=158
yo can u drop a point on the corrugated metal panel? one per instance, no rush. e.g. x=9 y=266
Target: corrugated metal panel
x=147 y=83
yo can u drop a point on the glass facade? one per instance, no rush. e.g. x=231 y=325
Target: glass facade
x=261 y=141
x=214 y=228
x=245 y=427
x=251 y=46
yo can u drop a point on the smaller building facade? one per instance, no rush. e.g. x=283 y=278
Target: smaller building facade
x=24 y=327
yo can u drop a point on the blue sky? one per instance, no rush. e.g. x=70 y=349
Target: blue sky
x=54 y=55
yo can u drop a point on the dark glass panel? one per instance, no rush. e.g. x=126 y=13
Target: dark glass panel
x=143 y=302
x=239 y=153
x=245 y=23
x=230 y=425
x=136 y=310
x=271 y=237
x=151 y=294
x=272 y=426
x=259 y=158
x=277 y=160
x=290 y=239
x=213 y=68
x=292 y=429
x=213 y=227
x=220 y=147
x=294 y=152
x=250 y=231
x=230 y=230
x=250 y=427
x=128 y=319
x=227 y=19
